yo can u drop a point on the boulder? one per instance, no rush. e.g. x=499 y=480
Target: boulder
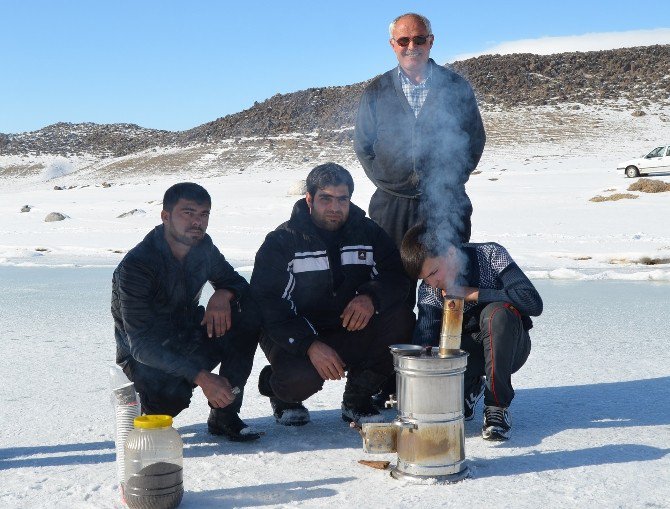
x=134 y=212
x=54 y=216
x=26 y=208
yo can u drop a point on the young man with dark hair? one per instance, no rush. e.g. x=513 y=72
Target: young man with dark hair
x=499 y=300
x=165 y=342
x=331 y=289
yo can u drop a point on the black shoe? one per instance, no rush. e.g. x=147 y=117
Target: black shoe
x=357 y=398
x=497 y=423
x=473 y=392
x=229 y=425
x=289 y=414
x=360 y=412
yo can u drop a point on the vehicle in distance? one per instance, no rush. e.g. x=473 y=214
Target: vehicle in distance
x=655 y=161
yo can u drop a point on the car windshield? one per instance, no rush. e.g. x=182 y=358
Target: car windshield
x=657 y=152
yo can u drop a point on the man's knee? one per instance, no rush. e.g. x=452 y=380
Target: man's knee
x=295 y=385
x=500 y=316
x=159 y=392
x=293 y=378
x=169 y=400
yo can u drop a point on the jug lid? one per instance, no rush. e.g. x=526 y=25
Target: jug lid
x=152 y=421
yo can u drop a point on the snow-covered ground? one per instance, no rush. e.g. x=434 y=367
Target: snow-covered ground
x=532 y=196
x=591 y=419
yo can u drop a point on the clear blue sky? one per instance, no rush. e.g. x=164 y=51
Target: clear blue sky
x=175 y=65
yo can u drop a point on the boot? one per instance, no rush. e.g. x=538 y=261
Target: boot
x=229 y=424
x=357 y=398
x=285 y=413
x=289 y=414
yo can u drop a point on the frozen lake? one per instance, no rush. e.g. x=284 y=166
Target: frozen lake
x=591 y=410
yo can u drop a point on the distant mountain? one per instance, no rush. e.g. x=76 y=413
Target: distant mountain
x=638 y=77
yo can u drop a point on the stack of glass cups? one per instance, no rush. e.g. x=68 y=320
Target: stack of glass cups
x=126 y=408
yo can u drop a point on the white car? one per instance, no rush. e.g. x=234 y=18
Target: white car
x=655 y=161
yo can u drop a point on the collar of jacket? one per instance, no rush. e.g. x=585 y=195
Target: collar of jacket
x=301 y=219
x=440 y=76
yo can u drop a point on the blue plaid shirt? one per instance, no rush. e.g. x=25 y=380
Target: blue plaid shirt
x=416 y=94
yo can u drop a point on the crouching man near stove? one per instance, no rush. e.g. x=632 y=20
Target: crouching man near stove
x=331 y=289
x=499 y=300
x=165 y=342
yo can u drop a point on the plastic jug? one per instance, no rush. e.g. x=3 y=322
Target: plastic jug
x=154 y=455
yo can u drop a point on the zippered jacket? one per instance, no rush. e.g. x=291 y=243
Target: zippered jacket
x=155 y=302
x=292 y=280
x=401 y=153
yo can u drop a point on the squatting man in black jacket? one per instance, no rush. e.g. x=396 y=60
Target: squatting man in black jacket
x=331 y=290
x=499 y=300
x=165 y=342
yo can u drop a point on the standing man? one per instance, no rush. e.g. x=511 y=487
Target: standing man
x=331 y=290
x=165 y=342
x=418 y=131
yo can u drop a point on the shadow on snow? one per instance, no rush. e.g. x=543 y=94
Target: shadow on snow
x=264 y=494
x=545 y=411
x=537 y=414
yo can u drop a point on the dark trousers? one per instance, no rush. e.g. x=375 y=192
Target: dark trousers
x=294 y=378
x=161 y=393
x=396 y=215
x=499 y=349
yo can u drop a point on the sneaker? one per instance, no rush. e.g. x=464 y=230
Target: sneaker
x=361 y=412
x=229 y=425
x=497 y=423
x=473 y=393
x=289 y=414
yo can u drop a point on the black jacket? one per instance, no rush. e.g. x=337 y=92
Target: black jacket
x=401 y=153
x=292 y=279
x=155 y=302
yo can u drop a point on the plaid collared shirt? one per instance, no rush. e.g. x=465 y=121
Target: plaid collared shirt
x=416 y=94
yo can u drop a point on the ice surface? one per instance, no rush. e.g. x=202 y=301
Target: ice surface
x=591 y=427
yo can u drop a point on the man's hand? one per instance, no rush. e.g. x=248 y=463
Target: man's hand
x=469 y=293
x=216 y=388
x=326 y=361
x=218 y=316
x=358 y=312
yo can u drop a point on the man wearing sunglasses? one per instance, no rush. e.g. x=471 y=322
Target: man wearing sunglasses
x=418 y=136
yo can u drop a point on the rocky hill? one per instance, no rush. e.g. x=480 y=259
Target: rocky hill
x=636 y=77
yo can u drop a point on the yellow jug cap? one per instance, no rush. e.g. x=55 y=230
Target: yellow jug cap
x=153 y=421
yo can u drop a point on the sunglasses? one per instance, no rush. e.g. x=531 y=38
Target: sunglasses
x=419 y=40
